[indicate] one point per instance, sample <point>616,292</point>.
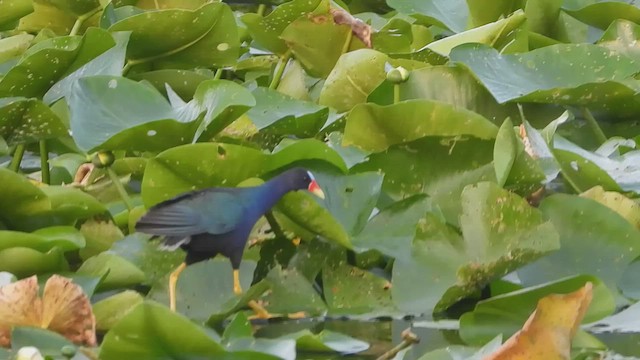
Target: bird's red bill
<point>315,189</point>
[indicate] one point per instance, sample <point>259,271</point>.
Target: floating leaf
<point>198,166</point>
<point>451,84</point>
<point>501,232</point>
<point>50,60</point>
<point>111,310</point>
<point>120,272</point>
<point>196,283</point>
<point>13,10</point>
<point>550,329</point>
<point>352,291</point>
<point>504,314</point>
<point>375,128</point>
<point>151,330</point>
<point>275,113</point>
<point>355,75</point>
<point>554,74</point>
<point>66,238</point>
<point>28,120</point>
<point>266,31</point>
<point>63,308</point>
<point>621,204</point>
<point>317,42</point>
<point>613,242</point>
<point>626,321</point>
<point>602,13</point>
<point>504,152</point>
<point>447,13</point>
<point>489,34</point>
<point>208,36</point>
<point>22,261</point>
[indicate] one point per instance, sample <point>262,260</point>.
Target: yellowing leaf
<point>617,202</point>
<point>63,308</point>
<point>548,332</point>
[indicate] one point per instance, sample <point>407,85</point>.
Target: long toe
<point>259,311</point>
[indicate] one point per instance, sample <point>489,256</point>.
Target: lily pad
<point>552,75</point>
<point>505,151</point>
<point>208,37</point>
<point>64,237</point>
<point>349,290</point>
<point>585,169</point>
<point>355,75</point>
<point>613,242</point>
<point>14,46</point>
<point>602,13</point>
<point>120,272</point>
<point>500,233</point>
<point>266,31</point>
<point>110,311</point>
<point>197,166</point>
<point>326,341</point>
<point>489,34</point>
<point>290,292</point>
<point>25,206</point>
<point>37,69</point>
<point>28,120</point>
<point>376,128</point>
<point>148,257</point>
<point>109,62</point>
<point>451,84</point>
<point>199,294</point>
<point>135,116</point>
<point>506,313</point>
<point>275,113</point>
<point>99,235</point>
<point>447,13</point>
<point>13,10</point>
<point>23,262</point>
<point>317,42</point>
<point>150,331</point>
<point>439,167</point>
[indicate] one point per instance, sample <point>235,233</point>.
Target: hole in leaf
<point>348,189</point>
<point>221,151</point>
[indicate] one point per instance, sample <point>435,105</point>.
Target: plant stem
<point>593,124</point>
<point>261,9</point>
<point>81,19</point>
<point>396,93</point>
<point>218,74</point>
<point>121,190</point>
<point>126,68</point>
<point>44,162</point>
<point>277,75</point>
<point>347,44</point>
<point>408,339</point>
<point>273,223</point>
<point>17,157</point>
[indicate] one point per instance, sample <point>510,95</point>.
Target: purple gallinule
<point>218,220</point>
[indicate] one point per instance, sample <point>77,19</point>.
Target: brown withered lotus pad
<point>63,308</point>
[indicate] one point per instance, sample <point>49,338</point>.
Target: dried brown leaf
<point>548,332</point>
<point>63,308</point>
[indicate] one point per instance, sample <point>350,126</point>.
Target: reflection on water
<point>381,335</point>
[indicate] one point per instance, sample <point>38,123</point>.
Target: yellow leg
<point>173,279</point>
<point>237,289</point>
<point>261,312</point>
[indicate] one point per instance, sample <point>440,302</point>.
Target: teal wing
<point>205,211</point>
